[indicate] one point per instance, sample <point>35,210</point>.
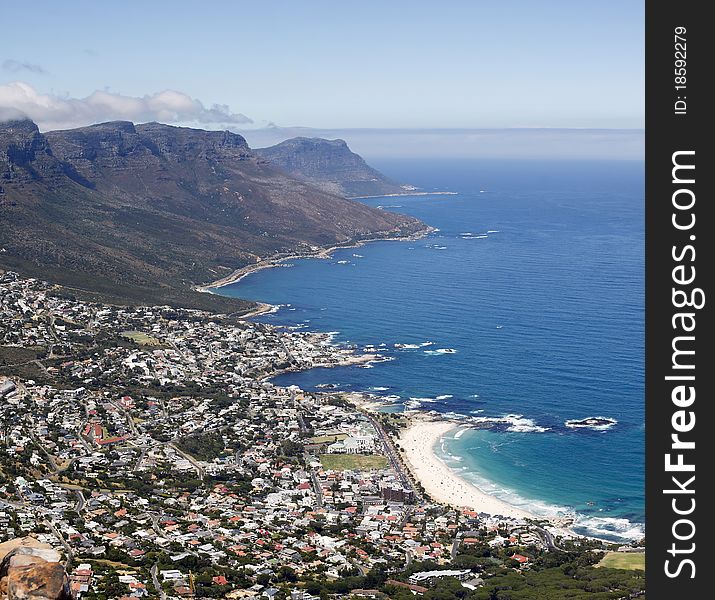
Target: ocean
<point>524,311</point>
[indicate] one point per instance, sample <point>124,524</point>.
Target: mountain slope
<point>146,212</point>
<point>329,165</point>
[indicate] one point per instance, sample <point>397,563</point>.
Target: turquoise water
<point>531,296</point>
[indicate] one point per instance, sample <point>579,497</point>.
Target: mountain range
<point>145,213</point>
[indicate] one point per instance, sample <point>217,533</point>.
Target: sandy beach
<point>261,309</point>
<point>441,482</point>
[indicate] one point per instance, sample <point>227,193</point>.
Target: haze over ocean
<point>535,279</point>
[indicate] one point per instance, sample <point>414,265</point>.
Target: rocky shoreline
<point>277,260</point>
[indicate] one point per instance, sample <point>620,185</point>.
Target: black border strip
<point>672,128</point>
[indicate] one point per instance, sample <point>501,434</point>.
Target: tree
<point>285,573</point>
<point>291,448</point>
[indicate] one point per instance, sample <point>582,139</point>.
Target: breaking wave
<point>512,423</point>
<point>608,527</point>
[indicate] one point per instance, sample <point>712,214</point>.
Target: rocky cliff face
<point>147,211</point>
<point>122,145</point>
<point>30,570</point>
<point>25,154</point>
<point>330,165</point>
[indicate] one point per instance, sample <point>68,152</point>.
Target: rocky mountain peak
<point>330,165</point>
<point>25,154</point>
<point>183,143</point>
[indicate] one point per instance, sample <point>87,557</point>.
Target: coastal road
<point>406,517</point>
<point>157,585</point>
<point>80,502</point>
<point>362,569</point>
<point>127,415</point>
<point>140,460</point>
<point>199,469</point>
<point>80,435</point>
<point>317,489</point>
<point>154,520</point>
<point>40,445</point>
<point>155,523</point>
<point>291,359</point>
<point>301,421</point>
<point>53,333</point>
<point>393,457</point>
<point>547,538</point>
<point>70,555</point>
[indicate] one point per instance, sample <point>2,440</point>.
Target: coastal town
<point>148,448</point>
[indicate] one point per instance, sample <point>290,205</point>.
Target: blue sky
<point>367,64</point>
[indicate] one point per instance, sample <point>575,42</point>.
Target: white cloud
<point>61,112</point>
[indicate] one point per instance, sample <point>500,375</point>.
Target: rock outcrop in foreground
<point>30,570</point>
